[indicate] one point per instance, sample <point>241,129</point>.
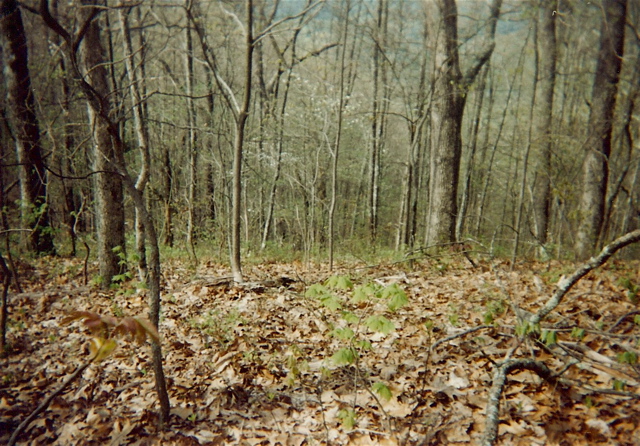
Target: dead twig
<point>43,406</point>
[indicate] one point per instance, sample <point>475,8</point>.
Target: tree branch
<point>499,379</point>
<point>565,284</point>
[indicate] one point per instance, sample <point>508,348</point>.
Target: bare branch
<point>565,284</point>
<point>269,28</point>
<point>499,379</point>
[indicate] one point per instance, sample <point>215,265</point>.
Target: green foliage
<point>618,385</point>
<point>344,334</point>
<point>627,358</point>
<point>428,324</point>
<point>382,390</point>
<point>295,364</point>
<point>347,417</point>
<point>632,290</point>
<point>364,311</point>
<point>220,327</point>
<point>526,328</point>
<point>494,308</point>
<point>588,401</point>
<point>577,333</point>
<point>453,316</point>
<point>364,293</point>
<point>549,337</point>
<point>345,356</point>
<point>636,319</point>
<point>380,324</point>
<point>397,298</point>
<point>317,290</point>
<point>339,283</point>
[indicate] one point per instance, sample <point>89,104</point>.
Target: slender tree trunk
<point>473,141</point>
<point>109,206</point>
<point>525,155</point>
<point>238,148</point>
<point>335,151</point>
<point>21,103</point>
<point>491,162</point>
<point>192,153</point>
<point>141,134</point>
<point>595,169</point>
<point>546,41</point>
<point>378,118</point>
<point>280,138</point>
<point>167,187</point>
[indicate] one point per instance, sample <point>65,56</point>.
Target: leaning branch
<point>565,284</point>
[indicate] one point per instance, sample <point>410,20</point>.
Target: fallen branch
<point>43,406</point>
<point>565,284</point>
<point>499,378</point>
<point>458,335</point>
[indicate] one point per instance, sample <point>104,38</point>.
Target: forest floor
<point>302,356</point>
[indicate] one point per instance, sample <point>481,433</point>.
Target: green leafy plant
<point>348,418</point>
<point>382,390</point>
<point>577,333</point>
<point>526,328</point>
<point>632,289</point>
<point>220,327</point>
<point>627,358</point>
<point>361,312</point>
<point>494,308</point>
<point>549,337</point>
<point>618,385</point>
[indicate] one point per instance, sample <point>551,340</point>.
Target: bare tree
<point>142,133</point>
<point>595,169</point>
<point>109,207</point>
<point>99,112</point>
<point>20,100</point>
<point>450,93</point>
<point>546,41</point>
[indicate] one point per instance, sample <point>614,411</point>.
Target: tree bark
<point>335,150</point>
<point>546,41</point>
<point>141,131</point>
<point>192,152</point>
<point>21,103</point>
<point>99,111</point>
<point>109,206</point>
<point>595,169</point>
<point>450,92</point>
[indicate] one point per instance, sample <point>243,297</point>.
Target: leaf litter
<point>256,364</point>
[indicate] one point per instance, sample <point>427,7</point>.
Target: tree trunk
<point>335,150</point>
<point>192,153</point>
<point>450,92</point>
<point>595,169</point>
<point>378,117</point>
<point>141,131</point>
<point>167,173</point>
<point>473,142</point>
<point>21,103</point>
<point>546,41</point>
<point>93,55</point>
<point>109,205</point>
<point>527,151</point>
